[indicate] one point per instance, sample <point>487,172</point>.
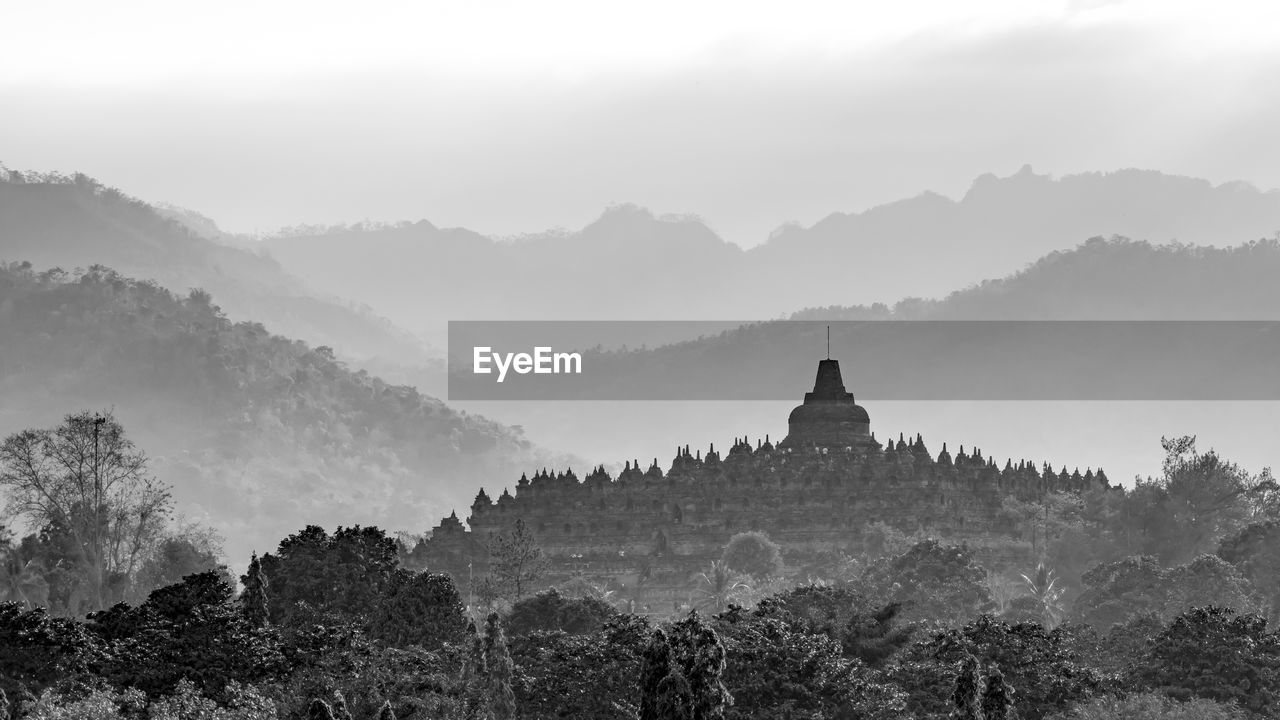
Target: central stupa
<point>829,417</point>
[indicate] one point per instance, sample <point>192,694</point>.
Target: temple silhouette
<point>814,493</point>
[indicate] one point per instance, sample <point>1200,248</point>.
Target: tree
<point>21,575</point>
<point>655,666</point>
<point>386,713</point>
<point>320,710</point>
<point>1120,591</point>
<point>1255,552</point>
<point>966,701</point>
<point>192,631</point>
<point>674,696</point>
<point>1045,666</point>
<point>474,677</point>
<point>419,609</point>
<point>864,630</point>
<point>932,582</point>
<point>340,711</point>
<point>343,574</point>
<point>754,554</point>
<point>779,666</point>
<point>997,697</point>
<point>516,560</point>
<point>189,549</point>
<point>549,611</point>
<point>719,587</point>
<point>1216,654</point>
<point>595,675</point>
<point>502,701</point>
<point>38,650</point>
<point>698,654</point>
<point>1042,587</point>
<point>88,479</point>
<point>1199,499</point>
<point>254,605</point>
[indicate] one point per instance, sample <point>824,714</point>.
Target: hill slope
<point>257,432</point>
<point>75,222</point>
<point>1107,279</point>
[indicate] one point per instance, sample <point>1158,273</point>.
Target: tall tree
<point>1199,499</point>
<point>654,667</point>
<point>253,599</point>
<point>502,701</point>
<point>997,697</point>
<point>696,650</point>
<point>86,477</point>
<point>516,560</point>
<point>474,675</point>
<point>966,702</point>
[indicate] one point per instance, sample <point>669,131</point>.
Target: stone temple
<point>814,493</point>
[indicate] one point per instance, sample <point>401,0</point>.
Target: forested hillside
<point>257,431</point>
<point>52,220</point>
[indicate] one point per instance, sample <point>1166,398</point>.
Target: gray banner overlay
<point>880,360</point>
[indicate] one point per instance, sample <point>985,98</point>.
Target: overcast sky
<point>522,116</point>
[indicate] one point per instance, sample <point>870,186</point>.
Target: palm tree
<point>1047,593</point>
<point>719,587</point>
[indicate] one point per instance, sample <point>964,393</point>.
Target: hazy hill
<point>627,264</point>
<point>261,433</point>
<point>929,245</point>
<point>630,264</point>
<point>75,222</point>
<point>1107,279</point>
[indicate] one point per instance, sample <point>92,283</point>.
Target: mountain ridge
<point>632,264</point>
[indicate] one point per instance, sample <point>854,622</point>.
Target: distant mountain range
<point>630,264</point>
<point>69,222</point>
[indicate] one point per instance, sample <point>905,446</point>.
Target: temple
<point>829,417</point>
<point>814,493</point>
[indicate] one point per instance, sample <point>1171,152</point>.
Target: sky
<point>518,117</point>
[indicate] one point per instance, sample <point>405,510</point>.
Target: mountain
<point>259,434</point>
<point>1107,279</point>
<point>76,222</point>
<point>630,264</point>
<point>626,264</point>
<point>928,245</point>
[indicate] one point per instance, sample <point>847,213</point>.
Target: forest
<point>1154,602</point>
